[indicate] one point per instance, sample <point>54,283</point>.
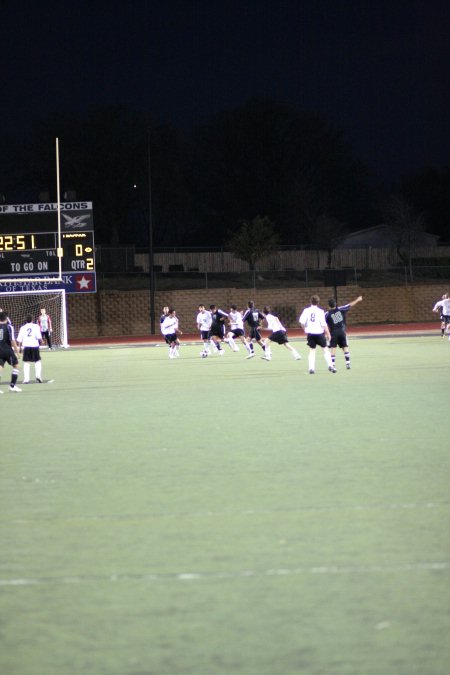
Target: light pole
<point>150,238</point>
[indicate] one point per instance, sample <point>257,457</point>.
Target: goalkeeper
<point>45,326</point>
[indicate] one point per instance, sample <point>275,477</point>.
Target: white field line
<point>356,570</point>
<point>408,506</point>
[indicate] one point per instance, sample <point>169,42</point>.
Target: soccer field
<point>223,515</point>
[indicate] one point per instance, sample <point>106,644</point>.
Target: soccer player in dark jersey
<point>335,318</point>
<point>254,318</point>
<point>217,330</point>
<point>9,351</point>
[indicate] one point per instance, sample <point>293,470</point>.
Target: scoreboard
<point>29,246</point>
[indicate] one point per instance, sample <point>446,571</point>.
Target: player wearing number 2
<point>29,339</point>
<point>335,318</point>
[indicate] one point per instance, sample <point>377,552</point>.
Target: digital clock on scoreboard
<point>38,253</point>
<point>26,241</point>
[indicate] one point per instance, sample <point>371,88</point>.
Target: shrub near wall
<point>119,313</point>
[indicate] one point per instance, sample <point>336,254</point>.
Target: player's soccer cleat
<point>311,372</point>
<point>250,356</point>
<point>297,357</point>
<point>222,352</point>
<point>1,391</point>
<point>332,369</point>
<point>266,358</point>
<point>236,349</point>
<point>14,389</point>
<point>38,380</point>
<point>347,365</point>
<point>26,382</point>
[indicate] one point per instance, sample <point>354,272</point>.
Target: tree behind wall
<point>407,226</point>
<point>254,240</point>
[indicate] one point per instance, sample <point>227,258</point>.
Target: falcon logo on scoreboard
<point>75,222</point>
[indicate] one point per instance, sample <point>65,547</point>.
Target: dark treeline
<point>263,158</point>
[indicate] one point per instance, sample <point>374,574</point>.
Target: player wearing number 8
<point>312,320</point>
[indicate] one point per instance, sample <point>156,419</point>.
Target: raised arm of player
<point>355,302</point>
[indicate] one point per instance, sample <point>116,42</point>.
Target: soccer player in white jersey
<point>313,322</point>
<point>278,335</point>
<point>45,326</point>
<point>444,307</point>
<point>29,339</point>
<point>204,321</point>
<point>171,331</point>
<point>236,329</point>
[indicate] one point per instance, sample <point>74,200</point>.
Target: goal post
<point>20,304</point>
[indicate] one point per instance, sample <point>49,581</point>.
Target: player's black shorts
<point>339,339</point>
<point>172,337</point>
<point>445,318</point>
<point>237,332</point>
<point>255,333</point>
<point>31,354</point>
<point>8,355</point>
<point>279,336</point>
<point>217,332</point>
<point>316,340</point>
<point>205,334</point>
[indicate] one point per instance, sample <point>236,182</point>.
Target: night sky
<point>378,70</point>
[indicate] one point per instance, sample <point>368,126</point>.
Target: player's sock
<point>333,359</point>
<point>327,355</point>
<point>232,343</point>
<point>312,360</point>
<point>347,360</point>
<point>26,372</point>
<point>38,370</point>
<point>14,376</point>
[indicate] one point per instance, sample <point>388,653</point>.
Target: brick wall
<point>115,313</point>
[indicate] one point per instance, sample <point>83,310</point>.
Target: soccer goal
<point>20,304</point>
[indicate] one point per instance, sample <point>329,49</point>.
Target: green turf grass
<point>223,515</point>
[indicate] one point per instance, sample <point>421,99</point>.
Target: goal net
<point>20,304</point>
